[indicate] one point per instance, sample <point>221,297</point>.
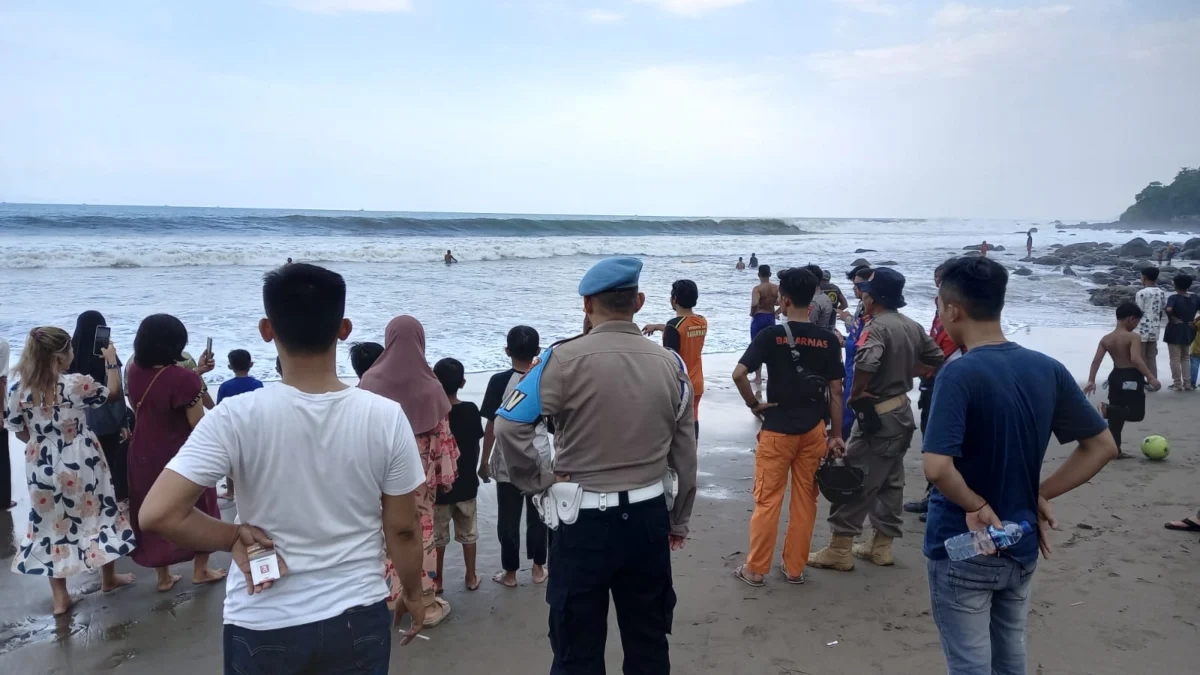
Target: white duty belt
<point>603,500</point>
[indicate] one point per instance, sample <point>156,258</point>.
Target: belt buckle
<point>603,501</point>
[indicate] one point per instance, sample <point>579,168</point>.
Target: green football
<point>1155,447</point>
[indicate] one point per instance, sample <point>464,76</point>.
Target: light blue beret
<point>611,274</point>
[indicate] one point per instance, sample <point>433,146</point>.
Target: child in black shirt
<point>458,504</point>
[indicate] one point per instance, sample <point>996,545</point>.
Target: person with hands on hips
<point>804,393</point>
<point>625,442</point>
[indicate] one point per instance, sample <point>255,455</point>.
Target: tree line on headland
<point>1159,203</point>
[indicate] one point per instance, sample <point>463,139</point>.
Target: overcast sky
<point>1002,108</point>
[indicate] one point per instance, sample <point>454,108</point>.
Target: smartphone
<point>208,347</point>
<point>103,337</point>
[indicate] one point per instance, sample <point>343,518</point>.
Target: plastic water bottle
<point>986,542</point>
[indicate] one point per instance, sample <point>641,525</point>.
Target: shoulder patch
<point>524,404</point>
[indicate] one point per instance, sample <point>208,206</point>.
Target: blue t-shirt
<point>993,410</point>
<point>238,385</point>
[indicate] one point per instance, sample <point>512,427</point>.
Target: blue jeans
<point>979,606</point>
<point>357,641</point>
<point>1195,369</point>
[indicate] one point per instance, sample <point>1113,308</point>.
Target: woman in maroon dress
<point>167,401</point>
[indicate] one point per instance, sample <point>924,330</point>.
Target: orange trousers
<point>777,455</point>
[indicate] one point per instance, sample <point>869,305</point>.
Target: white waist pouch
<point>559,504</point>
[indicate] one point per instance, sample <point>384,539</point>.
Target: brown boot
<point>879,551</point>
<point>835,556</point>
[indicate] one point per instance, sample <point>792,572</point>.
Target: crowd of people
<point>356,488</point>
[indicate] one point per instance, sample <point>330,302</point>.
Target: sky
<point>824,108</point>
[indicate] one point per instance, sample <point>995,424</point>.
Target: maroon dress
<point>160,429</point>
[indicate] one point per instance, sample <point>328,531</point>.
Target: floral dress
<point>75,524</point>
<point>439,457</point>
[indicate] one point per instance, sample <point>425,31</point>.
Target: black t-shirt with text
<point>801,404</point>
<point>467,429</point>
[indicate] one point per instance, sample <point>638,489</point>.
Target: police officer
<point>891,349</point>
<point>622,411</point>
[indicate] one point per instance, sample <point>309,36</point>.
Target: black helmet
<point>840,484</point>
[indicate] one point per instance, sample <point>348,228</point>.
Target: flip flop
<point>475,586</point>
<point>795,581</point>
<point>545,576</point>
<point>499,578</point>
<point>1189,525</point>
<point>740,573</point>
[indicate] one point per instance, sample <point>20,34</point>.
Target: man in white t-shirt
<point>1153,302</point>
<point>312,459</point>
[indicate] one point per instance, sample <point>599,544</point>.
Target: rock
<point>1085,260</point>
<point>1155,232</point>
<point>887,263</point>
<point>1124,231</point>
<point>865,250</point>
<point>1191,254</point>
<point>1104,244</point>
<point>1056,245</point>
<point>997,248</point>
<point>1140,265</point>
<point>1081,247</point>
<point>1158,243</point>
<point>860,262</point>
<point>1067,271</point>
<point>976,247</point>
<point>1111,296</point>
<point>1023,271</point>
<point>1136,247</point>
<point>1190,271</point>
<point>1101,277</point>
<point>1048,260</point>
<point>1194,242</point>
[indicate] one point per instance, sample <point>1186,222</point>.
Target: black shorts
<point>1127,392</point>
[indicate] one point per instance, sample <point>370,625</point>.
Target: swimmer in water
<point>753,260</point>
<point>450,259</point>
<point>740,265</point>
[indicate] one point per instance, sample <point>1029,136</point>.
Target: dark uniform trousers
<point>624,551</point>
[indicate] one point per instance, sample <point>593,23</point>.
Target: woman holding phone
<point>75,524</point>
<point>168,402</point>
<point>110,422</point>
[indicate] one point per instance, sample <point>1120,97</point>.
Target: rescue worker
<point>854,328</point>
<point>622,411</point>
<point>890,351</point>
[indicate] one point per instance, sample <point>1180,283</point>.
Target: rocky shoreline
<point>1117,268</point>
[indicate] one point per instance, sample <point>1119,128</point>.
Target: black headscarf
<point>82,341</point>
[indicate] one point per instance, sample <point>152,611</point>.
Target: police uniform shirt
<point>891,346</point>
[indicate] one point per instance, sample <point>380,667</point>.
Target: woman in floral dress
<point>402,374</point>
<point>75,524</point>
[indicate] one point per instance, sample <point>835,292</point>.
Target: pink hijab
<point>403,375</point>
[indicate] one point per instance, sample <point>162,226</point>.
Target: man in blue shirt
<point>240,364</point>
<point>992,415</point>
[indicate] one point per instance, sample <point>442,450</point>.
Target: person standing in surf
<point>1029,244</point>
<point>449,258</point>
<point>763,301</point>
<point>753,260</point>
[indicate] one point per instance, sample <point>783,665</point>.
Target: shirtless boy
<point>763,302</point>
<point>1127,382</point>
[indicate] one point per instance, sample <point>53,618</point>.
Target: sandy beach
<point>1118,595</point>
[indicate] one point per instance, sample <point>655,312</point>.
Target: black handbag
<point>838,483</point>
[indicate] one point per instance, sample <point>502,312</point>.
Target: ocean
<point>205,265</point>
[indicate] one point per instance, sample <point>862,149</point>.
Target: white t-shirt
<point>310,471</point>
<point>1153,302</point>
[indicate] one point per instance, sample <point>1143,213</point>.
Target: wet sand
<point>1118,595</point>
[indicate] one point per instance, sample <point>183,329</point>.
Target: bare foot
<point>164,586</point>
<point>209,576</point>
<point>539,574</point>
<point>62,604</point>
<point>473,583</point>
<point>117,581</point>
<point>506,579</point>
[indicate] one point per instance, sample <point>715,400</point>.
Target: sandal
<point>740,573</point>
<point>442,605</point>
<point>498,577</point>
<point>795,581</point>
<point>1186,525</point>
